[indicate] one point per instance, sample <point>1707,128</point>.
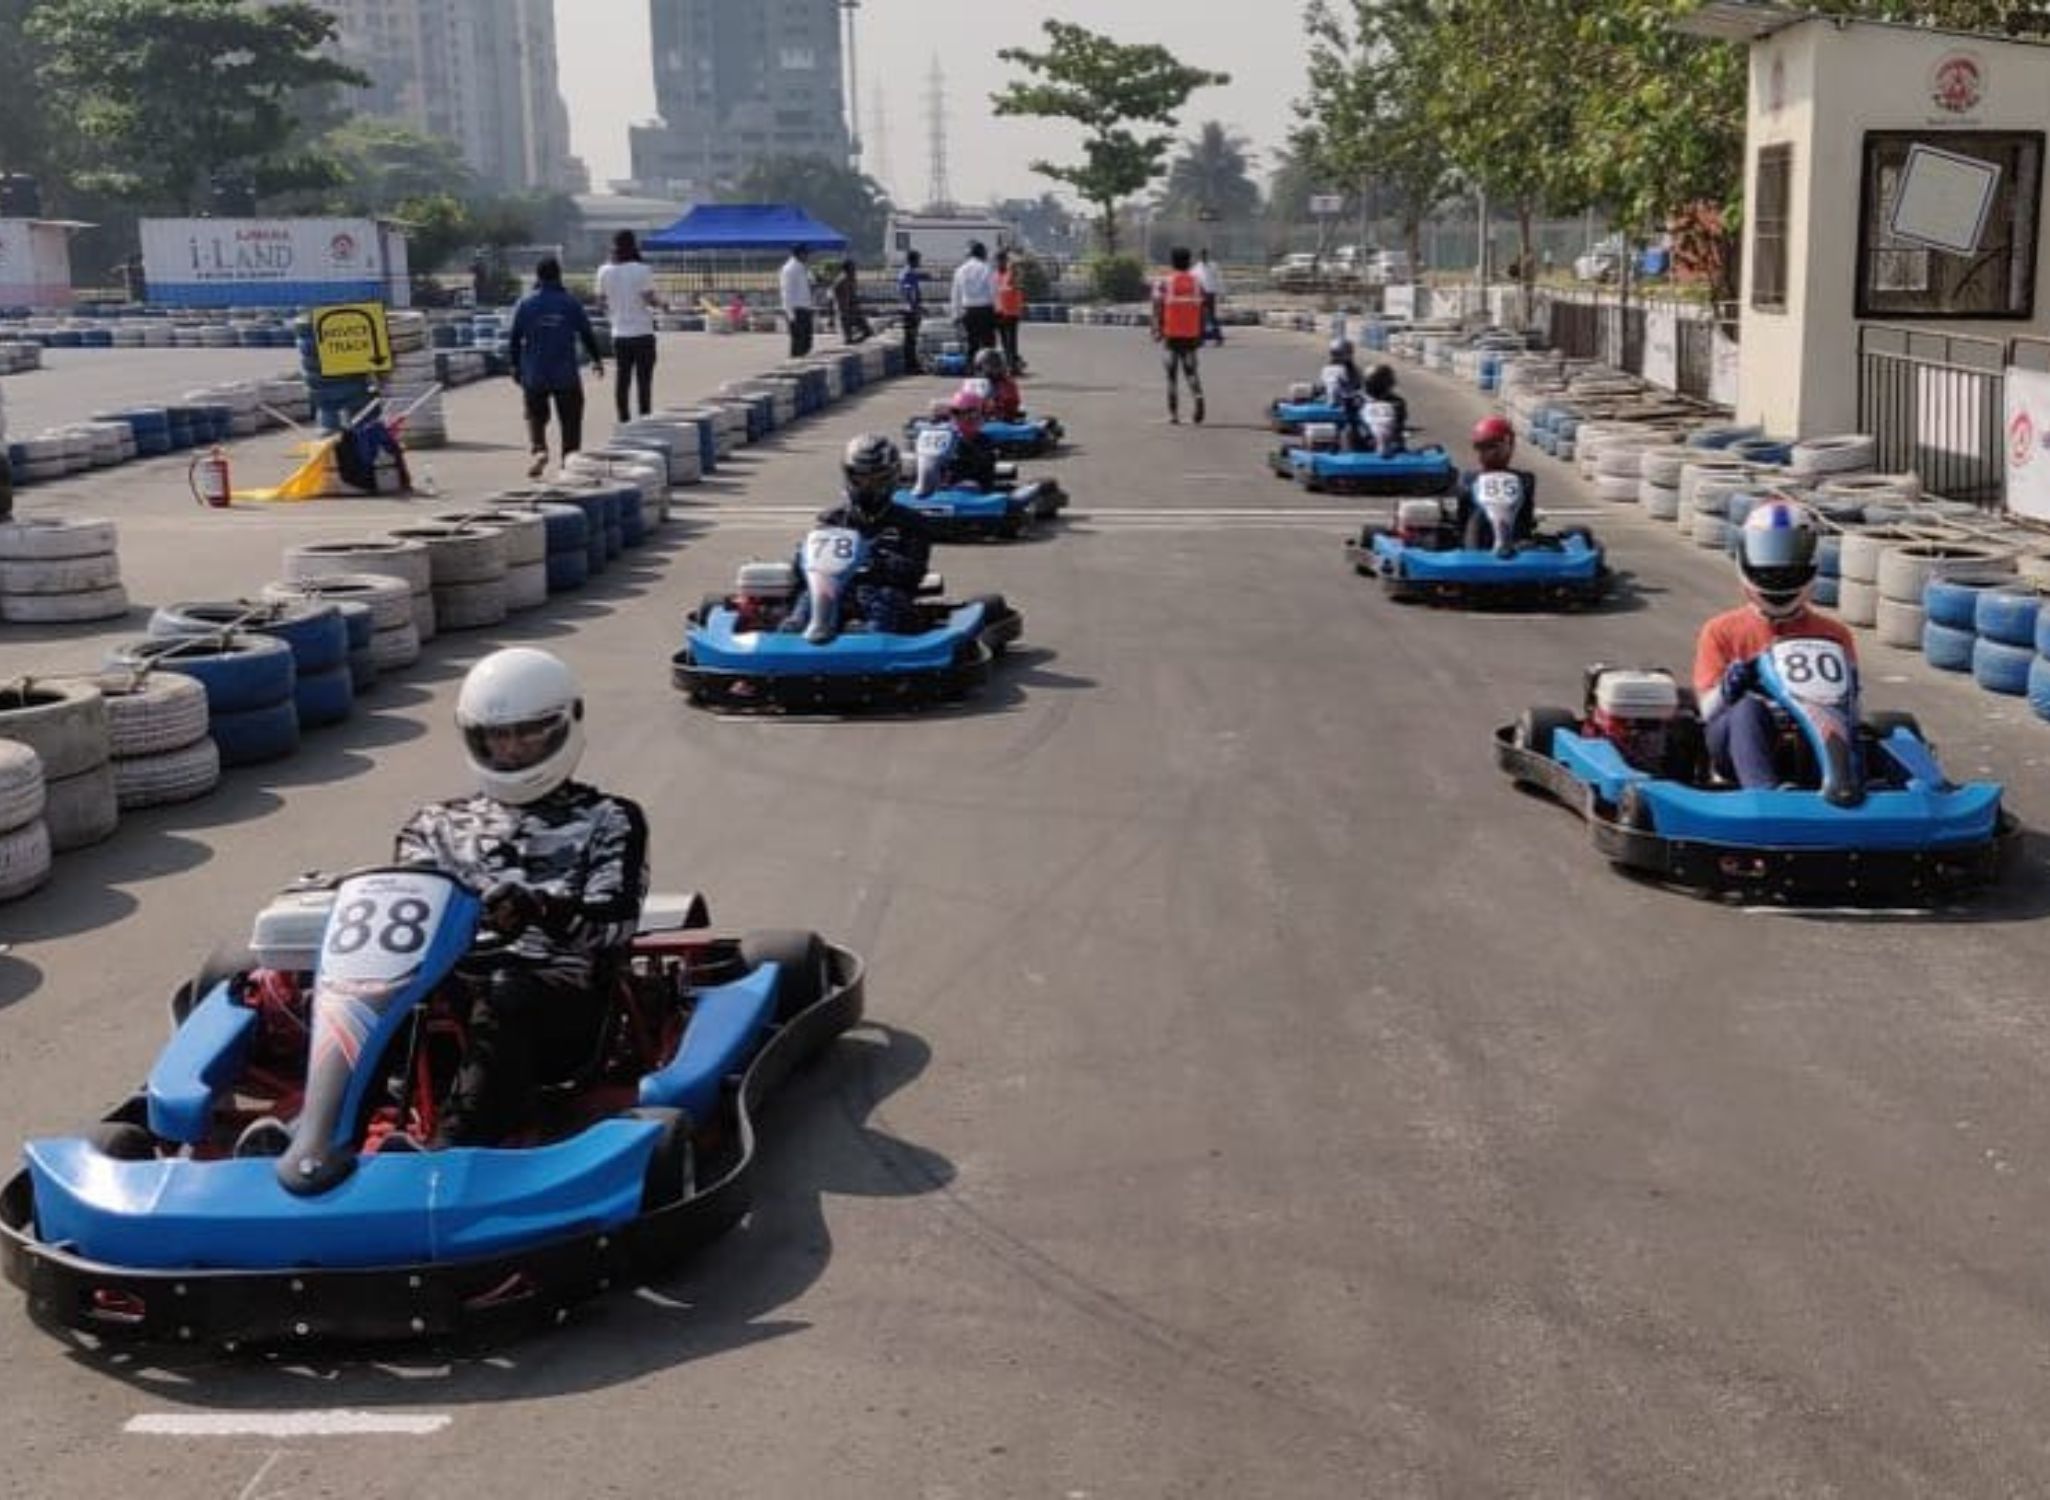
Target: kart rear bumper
<point>779,687</point>
<point>1574,587</point>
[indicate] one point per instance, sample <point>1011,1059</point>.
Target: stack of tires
<point>249,682</point>
<point>383,558</point>
<point>526,551</point>
<point>1619,469</point>
<point>1858,564</point>
<point>2006,620</point>
<point>159,733</point>
<point>467,567</point>
<point>566,530</point>
<point>1658,483</point>
<point>65,723</point>
<point>377,611</point>
<point>1905,572</point>
<point>60,570</point>
<point>1829,567</point>
<point>323,688</point>
<point>24,835</point>
<point>1950,608</point>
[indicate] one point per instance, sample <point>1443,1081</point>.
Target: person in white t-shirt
<point>974,299</point>
<point>1212,281</point>
<point>795,283</point>
<point>627,288</point>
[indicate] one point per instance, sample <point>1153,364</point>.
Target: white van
<point>943,239</point>
<point>1389,268</point>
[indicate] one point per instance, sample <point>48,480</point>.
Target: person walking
<point>1010,306</point>
<point>626,287</point>
<point>1212,281</point>
<point>973,302</point>
<point>797,297</point>
<point>911,289</point>
<point>547,326</point>
<point>854,324</point>
<point>1178,328</point>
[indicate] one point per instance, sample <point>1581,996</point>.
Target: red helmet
<point>1493,430</point>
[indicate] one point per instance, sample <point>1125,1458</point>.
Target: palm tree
<point>1212,178</point>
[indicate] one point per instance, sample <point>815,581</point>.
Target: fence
<point>1935,403</point>
<point>1583,325</point>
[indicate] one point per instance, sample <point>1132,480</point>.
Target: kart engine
<point>1418,523</point>
<point>1634,711</point>
<point>763,593</point>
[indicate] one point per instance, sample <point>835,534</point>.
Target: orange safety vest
<point>1010,296</point>
<point>1181,306</point>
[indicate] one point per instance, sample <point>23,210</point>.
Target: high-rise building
<point>738,80</point>
<point>481,73</point>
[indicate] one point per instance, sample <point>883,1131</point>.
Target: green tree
<point>161,95</point>
<point>1212,179</point>
<point>384,163</point>
<point>1106,87</point>
<point>438,229</point>
<point>24,115</point>
<point>831,192</point>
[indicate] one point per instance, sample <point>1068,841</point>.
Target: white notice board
<point>1944,199</point>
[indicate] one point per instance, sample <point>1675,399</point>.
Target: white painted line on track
<point>287,1424</point>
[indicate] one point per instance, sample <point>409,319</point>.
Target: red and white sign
<point>2028,443</point>
<point>1957,84</point>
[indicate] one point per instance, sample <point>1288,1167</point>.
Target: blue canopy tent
<point>713,227</point>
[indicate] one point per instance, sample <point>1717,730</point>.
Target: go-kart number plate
<point>1813,669</point>
<point>832,550</point>
<point>381,925</point>
<point>933,442</point>
<point>1497,491</point>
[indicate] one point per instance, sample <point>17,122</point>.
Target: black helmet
<point>1379,381</point>
<point>870,467</point>
<point>990,364</point>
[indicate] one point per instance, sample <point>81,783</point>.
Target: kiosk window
<point>1770,197</point>
<point>1947,224</point>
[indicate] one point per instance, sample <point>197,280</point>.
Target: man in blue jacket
<point>546,328</point>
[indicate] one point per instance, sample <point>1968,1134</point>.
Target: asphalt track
<point>1261,1098</point>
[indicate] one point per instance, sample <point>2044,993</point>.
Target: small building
<point>35,262</point>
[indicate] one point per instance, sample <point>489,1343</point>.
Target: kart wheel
<point>1536,728</point>
<point>801,956</point>
<point>672,1167</point>
<point>1632,811</point>
<point>122,1141</point>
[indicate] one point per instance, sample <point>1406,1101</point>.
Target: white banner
<point>2028,443</point>
<point>198,262</point>
<point>1662,349</point>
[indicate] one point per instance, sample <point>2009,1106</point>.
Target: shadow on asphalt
<point>18,979</point>
<point>818,1138</point>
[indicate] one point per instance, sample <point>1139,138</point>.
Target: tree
<point>384,163</point>
<point>438,227</point>
<point>160,96</point>
<point>831,192</point>
<point>1212,179</point>
<point>24,116</point>
<point>1106,87</point>
<point>1043,222</point>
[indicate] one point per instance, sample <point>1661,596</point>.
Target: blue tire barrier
<point>251,736</point>
<point>2001,668</point>
<point>239,673</point>
<point>314,630</point>
<point>568,570</point>
<point>2009,615</point>
<point>1719,437</point>
<point>633,521</point>
<point>1948,647</point>
<point>615,542</point>
<point>359,622</point>
<point>567,528</point>
<point>2039,687</point>
<point>1829,553</point>
<point>1826,592</point>
<point>2042,641</point>
<point>325,698</point>
<point>1955,601</point>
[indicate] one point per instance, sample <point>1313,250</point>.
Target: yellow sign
<point>351,338</point>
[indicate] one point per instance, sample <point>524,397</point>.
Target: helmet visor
<point>1781,583</point>
<point>519,746</point>
<point>1770,549</point>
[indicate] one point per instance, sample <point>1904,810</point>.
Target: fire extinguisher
<point>209,477</point>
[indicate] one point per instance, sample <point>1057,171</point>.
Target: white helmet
<point>522,720</point>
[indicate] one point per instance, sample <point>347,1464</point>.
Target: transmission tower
<point>852,10</point>
<point>938,191</point>
<point>879,137</point>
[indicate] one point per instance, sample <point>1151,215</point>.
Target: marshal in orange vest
<point>1181,307</point>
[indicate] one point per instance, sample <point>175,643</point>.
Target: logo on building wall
<point>2021,440</point>
<point>342,249</point>
<point>1957,84</point>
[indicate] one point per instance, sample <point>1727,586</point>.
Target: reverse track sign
<point>351,338</point>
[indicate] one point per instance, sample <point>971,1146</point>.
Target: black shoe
<point>1199,411</point>
<point>1174,415</point>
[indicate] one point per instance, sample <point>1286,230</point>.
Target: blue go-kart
<point>1028,437</point>
<point>1384,466</point>
<point>1302,408</point>
<point>967,512</point>
<point>744,652</point>
<point>1422,559</point>
<point>267,1186</point>
<point>1869,816</point>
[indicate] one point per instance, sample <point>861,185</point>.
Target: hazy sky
<point>608,84</point>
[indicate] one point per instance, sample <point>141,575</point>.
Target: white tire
<point>2034,566</point>
<point>1663,466</point>
<point>149,713</point>
<point>1853,453</point>
<point>1620,459</point>
<point>1905,571</point>
<point>426,624</point>
<point>389,600</point>
<point>472,606</point>
<point>1618,489</point>
<point>64,720</point>
<point>61,575</point>
<point>396,649</point>
<point>1710,530</point>
<point>109,603</point>
<point>526,586</point>
<point>21,786</point>
<point>1900,625</point>
<point>82,810</point>
<point>1857,603</point>
<point>459,554</point>
<point>24,859</point>
<point>46,538</point>
<point>390,559</point>
<point>1859,559</point>
<point>526,535</point>
<point>1660,502</point>
<point>172,776</point>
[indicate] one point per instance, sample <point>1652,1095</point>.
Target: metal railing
<point>1934,403</point>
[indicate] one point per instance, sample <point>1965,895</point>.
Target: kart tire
<point>109,603</point>
<point>21,786</point>
<point>526,533</point>
<point>2001,668</point>
<point>1537,727</point>
<point>672,1165</point>
<point>1857,603</point>
<point>396,649</point>
<point>169,777</point>
<point>315,630</point>
<point>470,606</point>
<point>388,599</point>
<point>60,575</point>
<point>325,698</point>
<point>24,859</point>
<point>1947,648</point>
<point>239,673</point>
<point>2039,687</point>
<point>150,714</point>
<point>121,1140</point>
<point>82,810</point>
<point>1906,570</point>
<point>253,736</point>
<point>458,554</point>
<point>995,612</point>
<point>801,959</point>
<point>2008,614</point>
<point>526,586</point>
<point>1632,810</point>
<point>64,720</point>
<point>1900,625</point>
<point>49,538</point>
<point>406,561</point>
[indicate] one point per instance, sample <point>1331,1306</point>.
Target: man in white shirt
<point>974,300</point>
<point>1212,281</point>
<point>626,286</point>
<point>797,294</point>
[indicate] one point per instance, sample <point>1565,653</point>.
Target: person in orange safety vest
<point>1178,328</point>
<point>1010,309</point>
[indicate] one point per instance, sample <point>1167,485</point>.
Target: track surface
<point>1262,1098</point>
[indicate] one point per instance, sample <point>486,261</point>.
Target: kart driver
<point>562,868</point>
<point>1776,559</point>
<point>967,458</point>
<point>1379,385</point>
<point>1340,379</point>
<point>1494,444</point>
<point>1005,403</point>
<point>884,590</point>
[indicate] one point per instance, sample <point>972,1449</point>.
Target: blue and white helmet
<point>1776,554</point>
